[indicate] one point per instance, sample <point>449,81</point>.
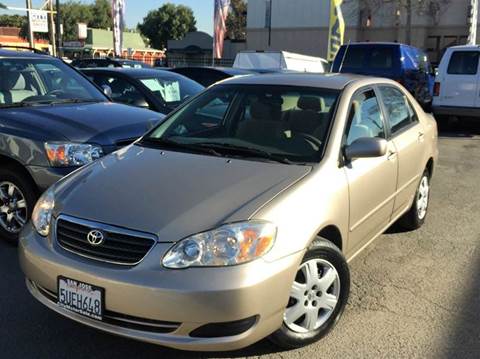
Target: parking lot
<point>413,294</point>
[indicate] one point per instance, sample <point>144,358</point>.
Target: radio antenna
<point>343,57</point>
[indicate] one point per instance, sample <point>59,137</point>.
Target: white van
<point>279,61</point>
<point>457,85</point>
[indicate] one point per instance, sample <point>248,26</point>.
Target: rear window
<point>463,63</point>
<point>354,57</point>
<point>357,57</point>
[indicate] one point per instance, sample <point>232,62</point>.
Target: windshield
<point>173,90</point>
<point>278,123</point>
<point>25,82</point>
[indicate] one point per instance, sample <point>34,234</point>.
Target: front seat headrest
<point>312,103</point>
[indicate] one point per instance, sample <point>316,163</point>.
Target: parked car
<point>457,83</point>
<point>405,64</point>
<point>279,61</point>
<point>235,218</point>
<point>108,62</point>
<point>207,76</point>
<point>52,121</point>
<point>157,90</point>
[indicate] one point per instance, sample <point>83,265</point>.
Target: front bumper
<point>183,300</point>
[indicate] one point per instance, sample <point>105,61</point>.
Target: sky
<point>136,10</point>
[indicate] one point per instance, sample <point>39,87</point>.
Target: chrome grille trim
<point>109,230</point>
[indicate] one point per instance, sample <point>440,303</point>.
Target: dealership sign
<point>38,20</point>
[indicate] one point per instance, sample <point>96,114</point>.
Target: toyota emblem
<point>95,237</point>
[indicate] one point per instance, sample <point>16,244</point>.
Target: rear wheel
<point>318,297</point>
<point>17,198</point>
<point>415,217</point>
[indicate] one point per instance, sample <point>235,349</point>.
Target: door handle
<point>391,155</point>
<point>421,136</point>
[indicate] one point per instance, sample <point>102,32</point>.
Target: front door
<point>459,82</point>
<point>372,181</point>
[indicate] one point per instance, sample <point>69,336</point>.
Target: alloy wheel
<point>13,208</point>
<point>314,296</point>
<point>422,198</point>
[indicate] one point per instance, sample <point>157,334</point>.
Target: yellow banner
<point>336,29</point>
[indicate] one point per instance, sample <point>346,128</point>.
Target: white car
<point>456,91</point>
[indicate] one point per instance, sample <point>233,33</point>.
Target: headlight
<point>228,245</point>
<point>42,213</point>
<point>72,154</point>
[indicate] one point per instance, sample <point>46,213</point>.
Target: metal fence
<point>172,61</point>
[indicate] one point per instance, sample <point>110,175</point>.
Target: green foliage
<point>13,21</point>
<point>169,22</point>
<point>101,15</point>
<point>2,6</point>
<point>237,20</point>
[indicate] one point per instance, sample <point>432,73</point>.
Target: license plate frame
<point>92,300</point>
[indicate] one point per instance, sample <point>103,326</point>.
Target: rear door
<point>408,135</point>
<point>459,82</point>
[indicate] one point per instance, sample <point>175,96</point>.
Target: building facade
<point>302,25</point>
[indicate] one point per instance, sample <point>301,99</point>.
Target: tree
<point>13,21</point>
<point>169,22</point>
<point>101,15</point>
<point>74,12</point>
<point>237,20</point>
<point>2,6</point>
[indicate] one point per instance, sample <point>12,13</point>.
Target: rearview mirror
<point>142,103</point>
<point>366,147</point>
<point>107,90</point>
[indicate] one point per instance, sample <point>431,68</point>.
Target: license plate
<point>81,298</point>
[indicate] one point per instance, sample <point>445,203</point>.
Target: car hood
<point>103,123</point>
<point>171,194</point>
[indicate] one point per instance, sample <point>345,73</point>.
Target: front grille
<point>119,319</point>
<point>120,246</point>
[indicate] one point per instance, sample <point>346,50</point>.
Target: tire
<point>23,187</point>
<point>415,217</point>
<point>331,264</point>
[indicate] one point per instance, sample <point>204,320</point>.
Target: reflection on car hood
<point>171,194</point>
<point>102,123</point>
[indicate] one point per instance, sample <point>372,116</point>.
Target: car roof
<point>331,80</point>
<point>379,43</point>
<point>134,72</point>
<point>10,53</point>
<point>227,70</point>
<point>465,47</point>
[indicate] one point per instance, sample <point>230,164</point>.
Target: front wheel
<point>318,297</point>
<point>17,198</point>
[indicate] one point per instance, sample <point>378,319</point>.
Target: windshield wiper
<point>17,105</point>
<point>248,151</point>
<point>169,144</point>
<point>63,101</point>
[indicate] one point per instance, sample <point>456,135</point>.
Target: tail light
<point>436,89</point>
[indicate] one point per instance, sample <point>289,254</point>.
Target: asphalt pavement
<point>413,295</point>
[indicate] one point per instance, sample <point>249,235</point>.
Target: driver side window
<point>365,118</point>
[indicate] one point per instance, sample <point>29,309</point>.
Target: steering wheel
<point>54,93</point>
<point>312,141</point>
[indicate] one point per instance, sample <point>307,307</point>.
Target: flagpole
<point>213,44</point>
<point>472,36</point>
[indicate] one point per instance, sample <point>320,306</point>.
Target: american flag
<point>220,28</point>
<point>118,15</point>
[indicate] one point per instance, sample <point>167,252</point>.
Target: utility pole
<point>31,39</point>
<point>270,23</point>
<point>408,37</point>
<point>472,35</point>
<point>58,28</point>
<point>51,27</point>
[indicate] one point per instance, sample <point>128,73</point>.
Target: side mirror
<point>142,103</point>
<point>107,90</point>
<point>366,147</point>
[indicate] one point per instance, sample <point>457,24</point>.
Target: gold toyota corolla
<point>235,218</point>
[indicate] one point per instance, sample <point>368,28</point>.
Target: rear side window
<point>399,111</point>
<point>463,63</point>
